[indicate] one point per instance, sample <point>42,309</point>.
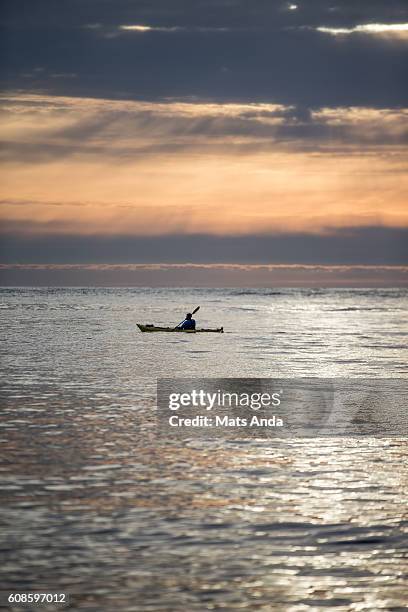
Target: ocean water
<point>94,503</point>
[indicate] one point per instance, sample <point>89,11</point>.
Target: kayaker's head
<point>189,315</point>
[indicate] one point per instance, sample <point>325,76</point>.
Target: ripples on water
<point>95,505</point>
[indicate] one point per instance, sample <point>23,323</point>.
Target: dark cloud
<point>206,276</point>
<point>200,13</point>
<point>123,130</point>
<point>206,50</point>
<point>241,50</point>
<point>366,245</point>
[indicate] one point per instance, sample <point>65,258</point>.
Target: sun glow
<point>104,166</point>
<point>136,28</point>
<point>400,29</point>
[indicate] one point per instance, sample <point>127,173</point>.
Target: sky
<point>212,142</point>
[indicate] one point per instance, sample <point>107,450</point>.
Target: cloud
<point>200,12</point>
<point>394,30</point>
<point>143,28</point>
<point>342,246</point>
<point>152,267</point>
<point>204,275</point>
<point>99,166</point>
<point>146,28</point>
<point>132,127</point>
<point>225,51</point>
<point>113,31</point>
<point>63,75</point>
<point>273,127</point>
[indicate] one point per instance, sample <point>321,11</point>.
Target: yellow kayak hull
<point>154,328</point>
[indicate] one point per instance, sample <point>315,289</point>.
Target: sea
<point>96,505</point>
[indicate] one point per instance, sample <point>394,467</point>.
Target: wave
<point>358,308</point>
<point>259,292</point>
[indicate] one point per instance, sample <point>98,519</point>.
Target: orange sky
<point>76,165</point>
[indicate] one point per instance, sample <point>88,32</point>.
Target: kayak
<point>153,328</point>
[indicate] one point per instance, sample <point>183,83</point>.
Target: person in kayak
<point>188,323</point>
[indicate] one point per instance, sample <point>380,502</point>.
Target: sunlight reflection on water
<point>93,504</point>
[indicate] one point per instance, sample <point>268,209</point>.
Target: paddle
<point>194,311</point>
